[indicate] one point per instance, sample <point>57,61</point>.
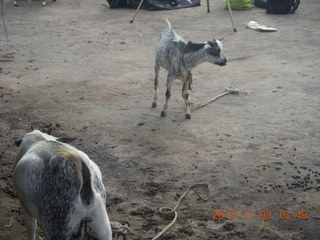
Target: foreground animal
<point>179,58</point>
<point>59,186</point>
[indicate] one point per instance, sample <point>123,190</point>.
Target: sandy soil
<point>82,70</point>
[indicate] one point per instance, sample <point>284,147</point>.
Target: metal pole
<point>137,10</point>
<point>230,11</point>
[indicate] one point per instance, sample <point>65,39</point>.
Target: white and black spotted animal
<point>59,186</point>
<point>179,58</point>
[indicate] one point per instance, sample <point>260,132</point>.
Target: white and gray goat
<point>59,186</point>
<point>179,58</point>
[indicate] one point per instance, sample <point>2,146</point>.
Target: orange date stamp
<point>260,215</point>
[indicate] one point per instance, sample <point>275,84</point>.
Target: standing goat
<point>179,58</point>
<point>59,186</point>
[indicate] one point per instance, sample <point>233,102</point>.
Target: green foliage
<point>239,4</point>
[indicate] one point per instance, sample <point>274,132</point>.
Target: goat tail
<point>168,22</point>
<point>83,173</point>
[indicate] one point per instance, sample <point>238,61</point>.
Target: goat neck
<point>194,54</point>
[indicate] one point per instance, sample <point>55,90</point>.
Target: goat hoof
<point>163,114</point>
<point>188,116</point>
<point>154,105</point>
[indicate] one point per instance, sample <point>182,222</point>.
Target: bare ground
<point>84,71</point>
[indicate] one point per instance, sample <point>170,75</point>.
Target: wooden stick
<point>230,11</point>
<point>137,10</point>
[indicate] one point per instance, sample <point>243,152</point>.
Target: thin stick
<point>208,6</point>
<point>230,11</point>
<point>137,10</point>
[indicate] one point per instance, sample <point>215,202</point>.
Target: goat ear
<point>211,43</point>
<point>18,142</point>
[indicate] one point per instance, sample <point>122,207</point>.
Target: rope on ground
<point>119,230</point>
<point>167,210</point>
<point>227,91</point>
<point>239,58</point>
<point>8,225</point>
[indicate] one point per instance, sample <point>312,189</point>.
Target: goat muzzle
<point>222,62</point>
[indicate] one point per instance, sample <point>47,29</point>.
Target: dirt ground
<point>82,70</point>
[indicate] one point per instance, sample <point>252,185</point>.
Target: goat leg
<point>168,94</point>
<point>156,83</point>
<point>186,97</point>
<point>31,223</point>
